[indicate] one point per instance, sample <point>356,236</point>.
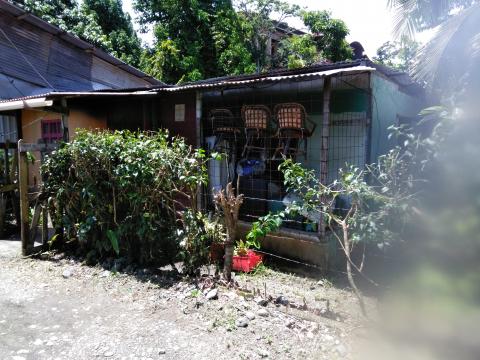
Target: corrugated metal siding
<point>59,59</point>
<point>34,46</point>
<point>62,60</point>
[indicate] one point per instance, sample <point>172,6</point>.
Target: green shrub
<point>124,192</point>
<point>199,232</point>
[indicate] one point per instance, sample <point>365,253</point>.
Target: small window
<point>179,112</point>
<point>52,130</point>
<point>8,128</point>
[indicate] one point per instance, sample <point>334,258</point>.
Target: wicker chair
<point>224,127</point>
<point>256,119</point>
<point>294,128</point>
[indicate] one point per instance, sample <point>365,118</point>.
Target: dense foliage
<point>200,39</point>
<point>193,39</point>
<point>124,192</point>
<point>399,55</point>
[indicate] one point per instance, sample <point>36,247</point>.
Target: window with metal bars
<point>52,130</point>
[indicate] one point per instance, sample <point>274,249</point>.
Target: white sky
<point>369,21</point>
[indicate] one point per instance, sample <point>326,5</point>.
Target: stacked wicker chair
<point>293,128</point>
<point>225,128</point>
<point>257,122</point>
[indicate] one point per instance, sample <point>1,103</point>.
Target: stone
<point>262,313</point>
<point>105,273</point>
<point>341,350</point>
<point>281,300</point>
<point>108,353</point>
<point>250,315</point>
<point>162,351</point>
<point>328,338</point>
<point>290,324</point>
<point>242,322</point>
<point>67,273</point>
<point>263,353</point>
<point>260,301</point>
<point>212,294</point>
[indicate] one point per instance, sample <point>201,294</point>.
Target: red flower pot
<point>248,262</point>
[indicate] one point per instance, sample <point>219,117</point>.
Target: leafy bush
<point>199,232</point>
<point>124,192</point>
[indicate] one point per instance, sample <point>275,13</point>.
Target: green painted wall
<point>388,103</point>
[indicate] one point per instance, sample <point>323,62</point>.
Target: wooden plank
<point>3,207</point>
<point>36,217</point>
<point>14,180</point>
<point>45,226</point>
<point>8,145</point>
<point>26,147</point>
<point>8,187</point>
<point>6,164</point>
<point>24,207</point>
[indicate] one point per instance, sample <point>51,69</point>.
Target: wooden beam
<point>45,226</point>
<point>26,147</point>
<point>8,187</point>
<point>327,83</point>
<point>24,207</point>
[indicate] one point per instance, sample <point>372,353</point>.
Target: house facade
<point>37,58</point>
<point>339,114</point>
<point>324,116</point>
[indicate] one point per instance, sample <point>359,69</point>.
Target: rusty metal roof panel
<point>275,78</point>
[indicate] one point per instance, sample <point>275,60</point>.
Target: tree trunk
<point>230,205</point>
<point>351,281</point>
<point>227,265</point>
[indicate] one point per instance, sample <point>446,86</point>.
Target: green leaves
<point>112,236</point>
<point>120,191</point>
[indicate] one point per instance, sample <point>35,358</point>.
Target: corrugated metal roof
<point>202,84</point>
<point>225,83</point>
<point>73,40</point>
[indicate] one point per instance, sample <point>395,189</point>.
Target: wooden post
<point>23,192</point>
<point>14,180</point>
<point>6,162</point>
<point>327,82</point>
<point>45,226</point>
<point>34,225</point>
<point>3,208</point>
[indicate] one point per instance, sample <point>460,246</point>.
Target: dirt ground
<point>58,308</point>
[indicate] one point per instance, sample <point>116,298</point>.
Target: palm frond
<point>451,48</point>
<point>410,16</point>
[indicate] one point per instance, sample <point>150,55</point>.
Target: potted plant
<point>216,231</point>
<point>245,259</point>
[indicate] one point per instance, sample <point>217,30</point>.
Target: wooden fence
<point>28,227</point>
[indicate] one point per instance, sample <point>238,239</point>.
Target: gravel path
<point>60,309</point>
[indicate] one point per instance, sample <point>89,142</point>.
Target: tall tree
<point>325,42</point>
<point>329,35</point>
<point>194,39</point>
<point>259,20</point>
<point>399,55</point>
<point>117,25</point>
